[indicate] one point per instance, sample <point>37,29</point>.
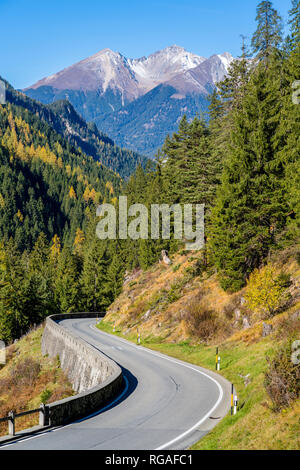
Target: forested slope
<point>63,118</point>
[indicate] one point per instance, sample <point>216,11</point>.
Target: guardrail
<point>12,416</point>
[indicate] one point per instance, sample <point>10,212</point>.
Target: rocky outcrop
<point>267,329</point>
<point>165,258</point>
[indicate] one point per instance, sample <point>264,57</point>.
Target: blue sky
<point>41,37</point>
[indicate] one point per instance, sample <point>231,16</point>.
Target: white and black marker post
<point>235,403</point>
<point>138,337</point>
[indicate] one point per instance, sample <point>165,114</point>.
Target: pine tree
<point>268,35</point>
<point>67,285</point>
<point>250,207</point>
<point>288,136</point>
<point>294,22</point>
<point>95,291</point>
<point>115,276</point>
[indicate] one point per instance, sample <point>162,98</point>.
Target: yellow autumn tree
<point>109,187</point>
<point>265,292</point>
<point>79,241</point>
<point>20,215</point>
<point>68,170</point>
<point>72,193</point>
<point>86,194</point>
<point>93,195</point>
<point>55,248</point>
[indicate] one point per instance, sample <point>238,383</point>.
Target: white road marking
<point>162,356</point>
<point>195,426</point>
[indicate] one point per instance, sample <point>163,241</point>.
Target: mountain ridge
<point>107,86</point>
<point>65,120</point>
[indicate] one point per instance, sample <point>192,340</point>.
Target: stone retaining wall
<point>95,377</point>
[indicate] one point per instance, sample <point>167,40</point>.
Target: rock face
<point>237,314</point>
<point>267,329</point>
<point>246,323</point>
<point>147,315</point>
<point>296,315</point>
<point>165,258</point>
<point>246,379</point>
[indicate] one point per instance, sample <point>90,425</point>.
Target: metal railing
<point>12,416</point>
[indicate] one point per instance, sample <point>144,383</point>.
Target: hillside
<point>63,118</point>
<point>46,183</point>
<point>186,314</point>
<point>145,123</point>
<point>28,379</point>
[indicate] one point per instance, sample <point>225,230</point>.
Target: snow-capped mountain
<point>106,69</point>
<point>162,66</point>
<point>200,79</point>
<point>127,97</point>
<point>132,77</point>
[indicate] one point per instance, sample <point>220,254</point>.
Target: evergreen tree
<point>95,289</point>
<point>288,136</point>
<point>268,35</point>
<point>115,276</point>
<point>67,282</point>
<point>250,207</point>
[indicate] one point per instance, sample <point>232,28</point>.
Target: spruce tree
<point>67,285</point>
<point>268,35</point>
<point>95,288</point>
<point>250,208</point>
<point>288,135</point>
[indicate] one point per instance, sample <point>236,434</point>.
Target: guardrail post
<point>11,423</point>
<point>44,415</point>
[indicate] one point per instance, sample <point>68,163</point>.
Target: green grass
<point>255,426</point>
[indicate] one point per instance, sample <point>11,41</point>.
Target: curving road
<point>165,404</point>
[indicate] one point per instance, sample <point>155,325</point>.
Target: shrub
<point>201,322</point>
<point>132,283</point>
<point>288,326</point>
<point>61,392</point>
<point>45,395</point>
<point>284,280</point>
<point>265,291</point>
<point>175,291</point>
<point>25,373</point>
<point>196,269</point>
<point>282,379</point>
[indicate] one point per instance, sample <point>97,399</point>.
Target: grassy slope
<point>28,378</point>
<point>243,352</point>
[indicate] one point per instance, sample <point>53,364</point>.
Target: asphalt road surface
<point>165,404</point>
